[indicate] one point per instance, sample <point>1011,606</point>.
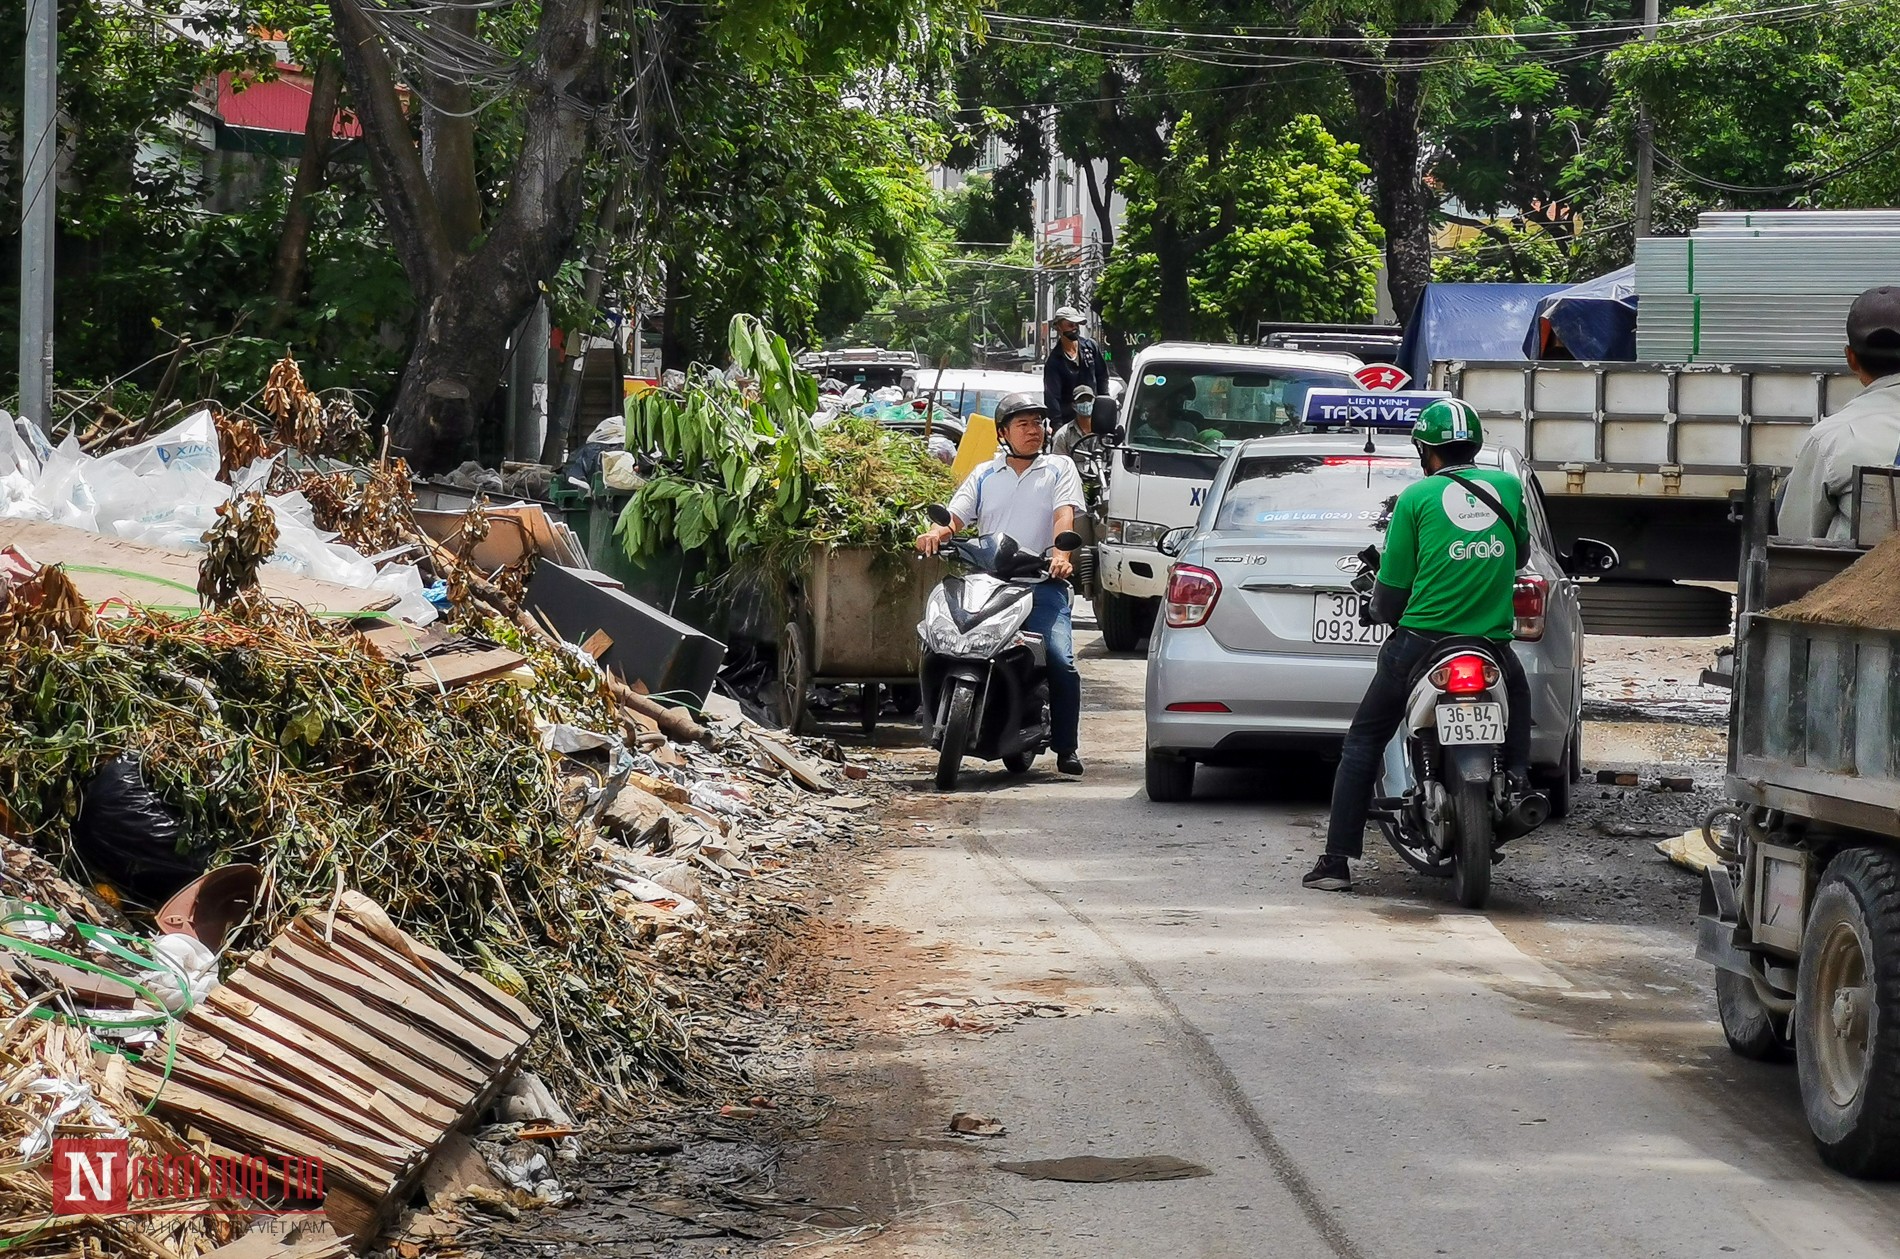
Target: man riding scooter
<point>1032,497</point>
<point>1453,548</point>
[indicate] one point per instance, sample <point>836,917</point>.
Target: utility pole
<point>39,136</point>
<point>1645,141</point>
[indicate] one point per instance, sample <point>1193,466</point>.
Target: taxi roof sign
<point>1390,409</point>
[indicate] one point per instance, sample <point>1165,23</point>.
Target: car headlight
<point>1135,533</point>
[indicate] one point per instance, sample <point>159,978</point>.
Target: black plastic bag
<point>128,836</point>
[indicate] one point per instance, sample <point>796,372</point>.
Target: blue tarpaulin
<point>1479,322</point>
<point>1595,320</point>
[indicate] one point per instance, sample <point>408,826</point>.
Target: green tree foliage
<point>1278,232</point>
<point>977,298</point>
<point>1503,253</point>
<point>797,199</point>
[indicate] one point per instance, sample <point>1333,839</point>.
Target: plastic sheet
<point>1594,321</point>
<point>1476,322</point>
<point>164,492</point>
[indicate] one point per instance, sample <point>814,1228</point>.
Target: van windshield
<point>1336,493</point>
<point>1187,406</point>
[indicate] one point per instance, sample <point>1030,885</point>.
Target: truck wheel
<point>1170,778</point>
<point>1120,619</point>
<point>956,734</point>
<point>1752,1032</point>
<point>1847,1014</point>
<point>1471,856</point>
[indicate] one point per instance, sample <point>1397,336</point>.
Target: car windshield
<point>1182,406</point>
<point>1316,492</point>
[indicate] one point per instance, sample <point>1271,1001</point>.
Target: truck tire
<point>1170,778</point>
<point>1847,1014</point>
<point>1120,617</point>
<point>956,733</point>
<point>1471,856</point>
<point>1751,1031</point>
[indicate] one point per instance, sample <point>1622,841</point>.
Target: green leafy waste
<point>747,479</point>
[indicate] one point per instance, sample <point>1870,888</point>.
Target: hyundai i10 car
<point>1259,647</point>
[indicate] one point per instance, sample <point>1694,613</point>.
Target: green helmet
<point>1446,420</point>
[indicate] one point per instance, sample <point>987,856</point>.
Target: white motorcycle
<point>985,679</point>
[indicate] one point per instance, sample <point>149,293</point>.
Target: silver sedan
<point>1260,649</point>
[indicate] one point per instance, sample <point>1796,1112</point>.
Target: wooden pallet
<point>346,1041</point>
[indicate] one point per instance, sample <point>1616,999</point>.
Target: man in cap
<point>1819,498</point>
<point>1075,361</point>
<point>1070,435</point>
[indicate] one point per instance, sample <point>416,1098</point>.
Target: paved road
<point>1373,1075</point>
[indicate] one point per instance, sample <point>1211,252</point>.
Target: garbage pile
<point>260,847</point>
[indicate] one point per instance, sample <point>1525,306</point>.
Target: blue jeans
<point>1049,616</point>
<point>1378,719</point>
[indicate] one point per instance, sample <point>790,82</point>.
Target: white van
<point>1188,404</point>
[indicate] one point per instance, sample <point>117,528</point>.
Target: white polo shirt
<point>998,499</point>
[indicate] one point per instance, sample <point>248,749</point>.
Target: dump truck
<point>1801,913</point>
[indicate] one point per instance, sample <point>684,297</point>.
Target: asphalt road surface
<point>1376,1074</point>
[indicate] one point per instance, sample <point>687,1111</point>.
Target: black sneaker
<point>1069,763</point>
<point>1329,874</point>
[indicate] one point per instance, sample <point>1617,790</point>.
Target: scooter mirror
<point>1068,540</point>
<point>938,513</point>
<point>1106,421</point>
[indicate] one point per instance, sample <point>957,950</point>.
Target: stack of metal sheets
<point>1761,286</point>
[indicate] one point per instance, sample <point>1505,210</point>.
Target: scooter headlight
<point>940,632</point>
<point>980,642</point>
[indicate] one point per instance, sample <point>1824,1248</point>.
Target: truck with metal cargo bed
<point>1801,914</point>
<point>1651,458</point>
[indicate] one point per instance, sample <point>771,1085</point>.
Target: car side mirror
<point>1174,539</point>
<point>1106,421</point>
<point>938,513</point>
<point>1587,556</point>
<point>1068,540</point>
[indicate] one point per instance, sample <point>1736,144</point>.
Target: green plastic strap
<point>109,940</point>
<point>1689,286</point>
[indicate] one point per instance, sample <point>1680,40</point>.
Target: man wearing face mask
<point>1075,361</point>
<point>1081,425</point>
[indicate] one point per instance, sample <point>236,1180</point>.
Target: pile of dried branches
<point>293,745</point>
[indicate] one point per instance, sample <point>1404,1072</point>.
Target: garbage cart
<point>853,621</point>
<point>1801,917</point>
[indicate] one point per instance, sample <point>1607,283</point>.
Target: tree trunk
<point>675,348</point>
<point>448,141</point>
<point>1388,106</point>
<point>293,243</point>
<point>470,302</point>
<point>558,438</point>
<point>1174,309</point>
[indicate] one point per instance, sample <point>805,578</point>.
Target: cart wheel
<point>794,678</point>
<point>871,694</point>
